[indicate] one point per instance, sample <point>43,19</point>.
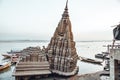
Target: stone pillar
<point>28,58</point>
<point>24,58</point>
<point>17,78</point>
<point>26,78</point>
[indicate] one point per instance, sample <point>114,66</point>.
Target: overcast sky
<point>38,19</point>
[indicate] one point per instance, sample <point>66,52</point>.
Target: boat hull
<point>7,65</point>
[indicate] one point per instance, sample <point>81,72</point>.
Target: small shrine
<point>33,64</point>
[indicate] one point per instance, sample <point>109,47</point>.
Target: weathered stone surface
<point>61,54</point>
<point>62,47</point>
<point>33,63</point>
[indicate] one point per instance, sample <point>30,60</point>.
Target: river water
<point>84,48</point>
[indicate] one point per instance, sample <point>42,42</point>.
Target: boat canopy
<point>116,32</point>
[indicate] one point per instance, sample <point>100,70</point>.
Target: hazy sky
<point>38,19</point>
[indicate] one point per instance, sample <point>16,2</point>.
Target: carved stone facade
<point>33,64</point>
<point>61,49</point>
<point>33,54</point>
<point>59,57</point>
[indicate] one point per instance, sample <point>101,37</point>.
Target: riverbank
<point>93,76</point>
<point>85,49</point>
<point>89,76</point>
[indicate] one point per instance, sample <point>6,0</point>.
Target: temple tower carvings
<point>61,49</point>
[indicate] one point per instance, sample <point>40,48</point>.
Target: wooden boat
<point>14,52</point>
<point>90,60</point>
<point>99,56</point>
<point>4,65</point>
<point>102,56</point>
<point>7,55</point>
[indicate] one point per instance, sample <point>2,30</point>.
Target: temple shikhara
<point>62,49</point>
<point>60,56</point>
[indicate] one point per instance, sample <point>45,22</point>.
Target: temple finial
<point>65,14</point>
<point>66,8</point>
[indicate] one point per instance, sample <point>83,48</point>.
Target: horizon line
<point>27,40</point>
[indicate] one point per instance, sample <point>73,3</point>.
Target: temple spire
<point>65,14</point>
<point>66,8</point>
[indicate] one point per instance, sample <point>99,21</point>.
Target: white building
<point>115,64</point>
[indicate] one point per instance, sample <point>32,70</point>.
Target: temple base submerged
<point>75,71</point>
<point>60,56</point>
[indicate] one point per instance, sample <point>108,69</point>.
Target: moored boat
<point>7,55</point>
<point>5,65</point>
<point>99,56</point>
<point>90,60</point>
<point>14,52</point>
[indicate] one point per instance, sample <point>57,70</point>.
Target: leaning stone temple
<point>60,56</point>
<point>61,49</point>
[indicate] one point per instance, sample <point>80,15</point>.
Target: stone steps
<point>32,63</point>
<point>32,69</point>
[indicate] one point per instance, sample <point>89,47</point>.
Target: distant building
<point>115,64</point>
